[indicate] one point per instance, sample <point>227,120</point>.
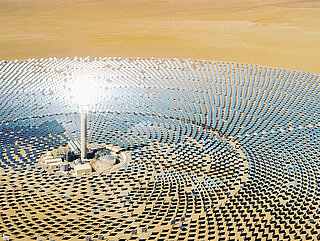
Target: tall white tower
<point>83,121</point>
<point>87,89</point>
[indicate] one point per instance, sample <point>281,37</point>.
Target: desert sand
<point>278,33</point>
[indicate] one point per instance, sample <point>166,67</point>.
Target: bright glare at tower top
<point>88,89</point>
<point>84,90</point>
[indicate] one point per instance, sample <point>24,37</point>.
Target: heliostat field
<point>220,151</point>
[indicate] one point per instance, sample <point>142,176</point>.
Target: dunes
<point>279,33</point>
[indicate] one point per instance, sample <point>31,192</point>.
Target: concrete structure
<point>84,114</point>
<point>54,165</point>
<point>45,158</point>
<point>108,158</point>
<point>52,160</point>
<point>74,146</point>
<point>82,169</point>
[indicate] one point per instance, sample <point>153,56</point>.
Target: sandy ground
<point>278,33</point>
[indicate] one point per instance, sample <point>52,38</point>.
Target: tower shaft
<point>84,115</point>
